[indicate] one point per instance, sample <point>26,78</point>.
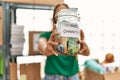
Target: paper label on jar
<point>69,32</point>
<point>67,38</point>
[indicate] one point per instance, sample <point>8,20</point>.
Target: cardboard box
<point>48,2</point>
<point>30,71</point>
<point>13,71</point>
<point>23,72</point>
<point>91,75</point>
<point>112,76</point>
<point>33,46</point>
<point>42,2</point>
<point>1,31</point>
<point>88,74</point>
<point>23,69</point>
<point>19,1</point>
<point>0,11</point>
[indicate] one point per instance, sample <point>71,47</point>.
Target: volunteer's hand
<point>84,50</point>
<point>51,42</point>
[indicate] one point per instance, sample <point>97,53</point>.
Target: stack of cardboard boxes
<point>17,39</point>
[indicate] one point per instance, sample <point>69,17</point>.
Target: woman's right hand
<point>51,42</point>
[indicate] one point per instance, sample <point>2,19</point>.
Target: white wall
<point>100,20</point>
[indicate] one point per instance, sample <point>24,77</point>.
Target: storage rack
<point>6,7</point>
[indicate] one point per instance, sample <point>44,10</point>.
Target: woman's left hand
<point>84,50</point>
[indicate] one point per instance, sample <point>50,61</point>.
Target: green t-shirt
<point>61,65</point>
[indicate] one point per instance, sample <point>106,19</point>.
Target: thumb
<point>54,32</point>
<point>54,27</point>
<point>80,41</point>
<point>82,35</point>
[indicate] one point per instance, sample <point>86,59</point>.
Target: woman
<point>60,67</point>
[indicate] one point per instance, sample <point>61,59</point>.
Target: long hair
<point>54,11</point>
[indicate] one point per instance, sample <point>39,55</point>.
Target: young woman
<point>60,67</point>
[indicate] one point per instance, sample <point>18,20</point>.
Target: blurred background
<point>22,21</point>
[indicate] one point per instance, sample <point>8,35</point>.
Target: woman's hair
<point>54,11</point>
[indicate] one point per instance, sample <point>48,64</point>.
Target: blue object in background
<point>92,64</point>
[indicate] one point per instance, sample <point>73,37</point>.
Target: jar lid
<point>68,12</point>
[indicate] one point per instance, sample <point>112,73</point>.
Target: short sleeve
<point>45,35</point>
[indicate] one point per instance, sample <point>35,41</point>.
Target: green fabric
<point>62,65</point>
<point>1,65</point>
<point>45,35</point>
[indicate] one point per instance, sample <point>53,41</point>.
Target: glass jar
<point>68,32</point>
<point>70,15</point>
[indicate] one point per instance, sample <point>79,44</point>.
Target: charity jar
<point>68,32</point>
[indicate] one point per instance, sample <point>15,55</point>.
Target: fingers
<point>80,41</point>
<point>49,51</point>
<point>54,33</point>
<point>55,53</point>
<point>82,50</point>
<point>52,43</point>
<point>84,46</point>
<point>54,27</point>
<point>82,35</point>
